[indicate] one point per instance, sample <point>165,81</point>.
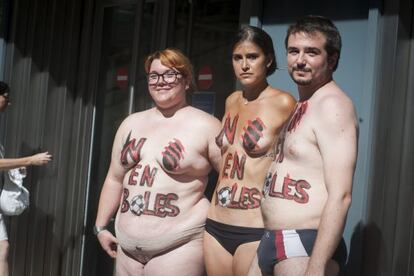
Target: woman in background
<point>9,164</point>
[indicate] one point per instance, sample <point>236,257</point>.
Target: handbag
<point>14,198</point>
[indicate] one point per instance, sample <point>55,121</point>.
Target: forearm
<point>12,163</point>
<point>330,232</point>
<point>108,203</point>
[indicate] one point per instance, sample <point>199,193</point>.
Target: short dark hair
<point>311,24</point>
<point>261,39</point>
<point>4,88</point>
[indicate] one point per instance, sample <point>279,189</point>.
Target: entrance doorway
<point>125,32</point>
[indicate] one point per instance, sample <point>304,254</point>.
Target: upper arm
<point>282,106</point>
<point>214,153</point>
<point>231,100</point>
<point>336,132</point>
<point>286,105</point>
<point>116,171</point>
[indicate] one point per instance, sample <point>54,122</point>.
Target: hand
<point>40,159</point>
<point>108,242</point>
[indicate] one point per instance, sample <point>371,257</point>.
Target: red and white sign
<point>122,77</point>
<point>205,78</point>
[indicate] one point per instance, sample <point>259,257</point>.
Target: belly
<point>282,213</point>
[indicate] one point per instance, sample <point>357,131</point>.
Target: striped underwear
<point>278,245</point>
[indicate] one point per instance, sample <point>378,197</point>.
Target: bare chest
<point>297,142</point>
<point>253,133</point>
<point>176,152</point>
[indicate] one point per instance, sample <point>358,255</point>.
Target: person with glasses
<point>253,118</point>
<point>9,164</point>
<point>155,184</point>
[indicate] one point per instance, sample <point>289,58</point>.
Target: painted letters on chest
<point>238,196</point>
<point>132,150</point>
<point>233,166</point>
<point>290,190</point>
<point>294,122</point>
<point>249,198</point>
<point>228,130</point>
<point>140,204</point>
<point>148,202</point>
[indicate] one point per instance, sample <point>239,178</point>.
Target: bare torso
<point>248,132</point>
<point>295,188</point>
<point>166,164</point>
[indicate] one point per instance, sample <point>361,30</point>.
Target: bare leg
<point>218,260</point>
<point>182,261</point>
<point>4,254</point>
<point>243,258</point>
<point>297,267</point>
<point>127,266</point>
<point>254,269</point>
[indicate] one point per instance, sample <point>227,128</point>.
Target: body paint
<point>228,130</point>
<point>252,134</point>
<point>131,150</point>
<point>147,176</point>
<point>290,190</point>
<point>249,198</point>
<point>125,203</point>
<point>172,155</point>
<point>294,122</point>
<point>297,116</point>
<point>162,205</point>
<point>236,164</point>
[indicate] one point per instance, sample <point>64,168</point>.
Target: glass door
<point>204,30</point>
<point>122,41</point>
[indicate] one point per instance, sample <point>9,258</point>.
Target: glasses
<point>167,77</point>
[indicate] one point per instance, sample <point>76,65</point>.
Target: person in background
<point>8,164</point>
<point>160,162</point>
<point>309,184</point>
<point>252,121</point>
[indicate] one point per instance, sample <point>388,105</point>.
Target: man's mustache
<point>304,70</point>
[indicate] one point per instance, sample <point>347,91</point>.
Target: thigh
<point>243,258</point>
<point>4,250</point>
<point>186,259</point>
<point>218,260</point>
<point>291,267</point>
<point>254,269</point>
<point>127,266</point>
<point>297,266</point>
<point>3,228</point>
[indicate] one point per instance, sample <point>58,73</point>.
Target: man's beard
<point>300,81</point>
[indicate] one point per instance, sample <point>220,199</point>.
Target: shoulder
<point>233,98</point>
<point>282,100</point>
<point>334,106</point>
<point>136,117</point>
<point>200,117</point>
<point>134,121</point>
